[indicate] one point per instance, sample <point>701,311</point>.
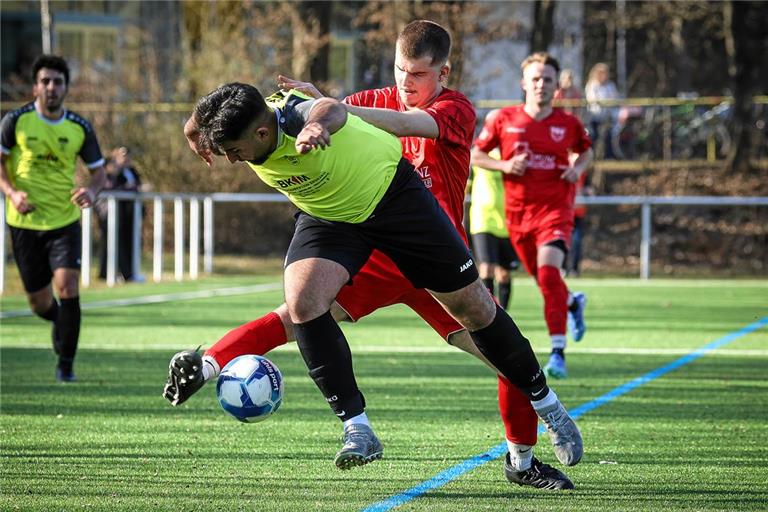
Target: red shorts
<point>379,284</point>
<point>537,230</point>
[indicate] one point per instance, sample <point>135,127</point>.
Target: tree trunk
<point>543,25</point>
<point>746,45</point>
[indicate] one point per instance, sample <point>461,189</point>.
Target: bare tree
<point>543,28</point>
<point>747,46</point>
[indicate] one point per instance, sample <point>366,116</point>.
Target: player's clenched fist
<point>312,136</point>
<point>516,165</point>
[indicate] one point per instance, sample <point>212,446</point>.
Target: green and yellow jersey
<point>344,182</point>
<point>486,212</point>
<point>42,156</point>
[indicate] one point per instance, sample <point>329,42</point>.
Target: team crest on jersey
<point>557,133</point>
<point>294,160</point>
<point>63,142</point>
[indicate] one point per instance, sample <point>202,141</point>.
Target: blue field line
<point>500,450</point>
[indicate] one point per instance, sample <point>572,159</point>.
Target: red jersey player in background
<point>436,126</point>
<point>544,151</point>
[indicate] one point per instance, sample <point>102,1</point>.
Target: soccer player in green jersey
<point>39,146</point>
<point>355,196</point>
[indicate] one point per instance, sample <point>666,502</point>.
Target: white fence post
<point>137,225</point>
<point>178,238</point>
<point>208,235</point>
<point>645,241</point>
<point>194,237</point>
<point>111,241</point>
<point>85,251</point>
<point>157,240</point>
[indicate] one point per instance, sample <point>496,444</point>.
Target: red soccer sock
<point>256,337</point>
<point>555,294</point>
<point>520,420</point>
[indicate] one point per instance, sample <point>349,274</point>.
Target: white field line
<point>383,349</point>
<point>166,297</point>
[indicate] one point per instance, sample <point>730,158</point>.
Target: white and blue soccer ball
<point>250,388</point>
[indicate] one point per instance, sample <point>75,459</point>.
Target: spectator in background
<point>487,227</point>
<point>601,119</point>
<point>583,188</point>
<point>567,90</point>
<point>122,177</point>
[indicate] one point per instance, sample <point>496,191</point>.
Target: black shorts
<point>38,253</point>
<point>408,225</point>
<point>489,248</point>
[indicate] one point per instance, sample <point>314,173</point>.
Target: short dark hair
<point>423,38</point>
<point>51,62</point>
<point>225,113</point>
<point>542,57</point>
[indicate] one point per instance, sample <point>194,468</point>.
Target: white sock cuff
<point>558,341</point>
<point>360,418</point>
<point>520,455</point>
<point>544,403</point>
<point>211,368</point>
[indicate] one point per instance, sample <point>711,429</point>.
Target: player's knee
<point>301,310</point>
<point>472,306</point>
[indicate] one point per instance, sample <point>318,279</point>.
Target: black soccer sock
<point>509,351</point>
<point>488,282</point>
<point>326,353</point>
<point>68,325</point>
<point>574,307</point>
<point>505,292</point>
<point>559,351</point>
<point>53,312</point>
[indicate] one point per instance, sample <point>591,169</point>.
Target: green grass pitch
<point>694,439</point>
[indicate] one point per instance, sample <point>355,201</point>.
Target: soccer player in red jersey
<point>436,127</point>
<point>544,151</point>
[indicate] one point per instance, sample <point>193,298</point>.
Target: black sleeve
<point>8,131</point>
<point>294,114</point>
<point>90,152</point>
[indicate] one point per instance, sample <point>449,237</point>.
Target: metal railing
<point>191,203</point>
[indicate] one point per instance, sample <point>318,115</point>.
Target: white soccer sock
<point>546,402</point>
<point>558,341</point>
<point>520,456</point>
<point>211,368</point>
<point>360,418</point>
<point>571,298</point>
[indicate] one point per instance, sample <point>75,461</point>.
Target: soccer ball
<point>250,388</point>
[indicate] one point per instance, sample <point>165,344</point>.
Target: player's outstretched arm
<point>326,117</point>
<point>413,123</point>
<point>286,83</point>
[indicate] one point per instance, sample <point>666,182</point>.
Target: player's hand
<point>83,197</point>
<point>195,143</point>
<point>286,84</point>
<point>570,174</point>
<point>516,165</point>
<point>20,202</point>
<point>313,135</point>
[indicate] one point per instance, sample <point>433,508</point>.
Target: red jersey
<point>442,163</point>
<point>547,143</point>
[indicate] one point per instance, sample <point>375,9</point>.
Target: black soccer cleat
<point>64,372</point>
<point>539,475</point>
<point>185,376</point>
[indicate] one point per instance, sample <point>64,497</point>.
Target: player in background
<point>544,151</point>
<point>436,133</point>
<point>490,239</point>
<point>583,189</point>
<point>39,146</point>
